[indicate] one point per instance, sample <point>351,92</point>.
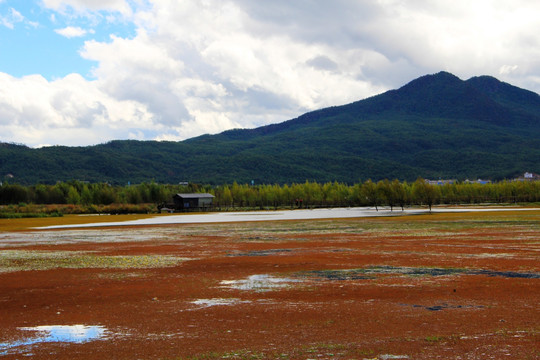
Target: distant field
<point>432,286</point>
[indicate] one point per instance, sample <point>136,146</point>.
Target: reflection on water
<point>56,333</point>
<point>259,283</point>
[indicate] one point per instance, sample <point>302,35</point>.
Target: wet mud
<point>443,286</point>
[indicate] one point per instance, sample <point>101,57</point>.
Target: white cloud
<point>507,69</point>
<point>198,67</point>
<point>207,73</point>
<point>85,6</point>
<point>69,111</point>
<point>71,32</point>
<point>11,18</point>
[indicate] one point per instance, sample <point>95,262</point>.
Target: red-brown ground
<point>459,286</point>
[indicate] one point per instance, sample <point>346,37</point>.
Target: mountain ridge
<point>434,126</point>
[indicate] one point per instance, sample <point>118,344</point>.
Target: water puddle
<point>373,271</point>
<point>259,283</point>
<point>203,303</point>
<point>55,333</point>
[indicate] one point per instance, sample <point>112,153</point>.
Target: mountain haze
<point>435,126</point>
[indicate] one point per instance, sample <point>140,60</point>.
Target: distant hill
<point>437,126</point>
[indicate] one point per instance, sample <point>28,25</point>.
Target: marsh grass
<point>21,260</point>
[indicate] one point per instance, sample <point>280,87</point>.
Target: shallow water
<point>224,217</point>
<point>55,333</point>
<point>298,214</point>
<point>203,303</point>
<point>259,283</point>
<point>373,271</point>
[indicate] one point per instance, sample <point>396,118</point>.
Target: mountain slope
<point>434,126</point>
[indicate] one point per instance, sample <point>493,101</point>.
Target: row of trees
<point>305,195</point>
<point>83,193</point>
<point>383,193</point>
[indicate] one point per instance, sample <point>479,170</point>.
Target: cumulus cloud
<point>210,72</point>
<point>197,67</point>
<point>69,111</point>
<point>71,32</point>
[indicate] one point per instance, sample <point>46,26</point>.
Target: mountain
<point>435,126</point>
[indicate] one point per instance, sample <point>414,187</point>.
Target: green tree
<point>86,196</point>
<point>370,193</point>
<point>425,193</point>
<point>73,196</point>
<point>384,188</point>
<point>226,197</point>
<point>104,194</point>
<point>399,193</point>
<point>41,194</point>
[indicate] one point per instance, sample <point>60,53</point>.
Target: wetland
<point>415,286</point>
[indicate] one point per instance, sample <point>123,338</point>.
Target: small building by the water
<point>195,201</point>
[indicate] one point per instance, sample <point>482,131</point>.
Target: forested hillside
<point>437,126</point>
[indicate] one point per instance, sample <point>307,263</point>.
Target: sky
<point>84,72</point>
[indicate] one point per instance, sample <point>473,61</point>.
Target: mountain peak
<point>443,75</point>
<point>490,85</point>
<point>437,80</point>
<point>444,95</point>
<point>505,93</point>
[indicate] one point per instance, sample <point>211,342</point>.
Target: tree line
<point>391,193</point>
<point>375,194</point>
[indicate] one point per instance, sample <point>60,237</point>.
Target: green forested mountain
<point>435,126</point>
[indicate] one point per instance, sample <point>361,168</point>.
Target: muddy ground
<point>442,286</point>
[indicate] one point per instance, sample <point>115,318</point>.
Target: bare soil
<point>444,286</point>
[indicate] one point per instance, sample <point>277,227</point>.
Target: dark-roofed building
<point>196,201</point>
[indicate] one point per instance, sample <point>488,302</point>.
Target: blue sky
<point>81,72</point>
<point>31,43</point>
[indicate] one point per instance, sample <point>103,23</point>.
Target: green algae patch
<point>20,260</point>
